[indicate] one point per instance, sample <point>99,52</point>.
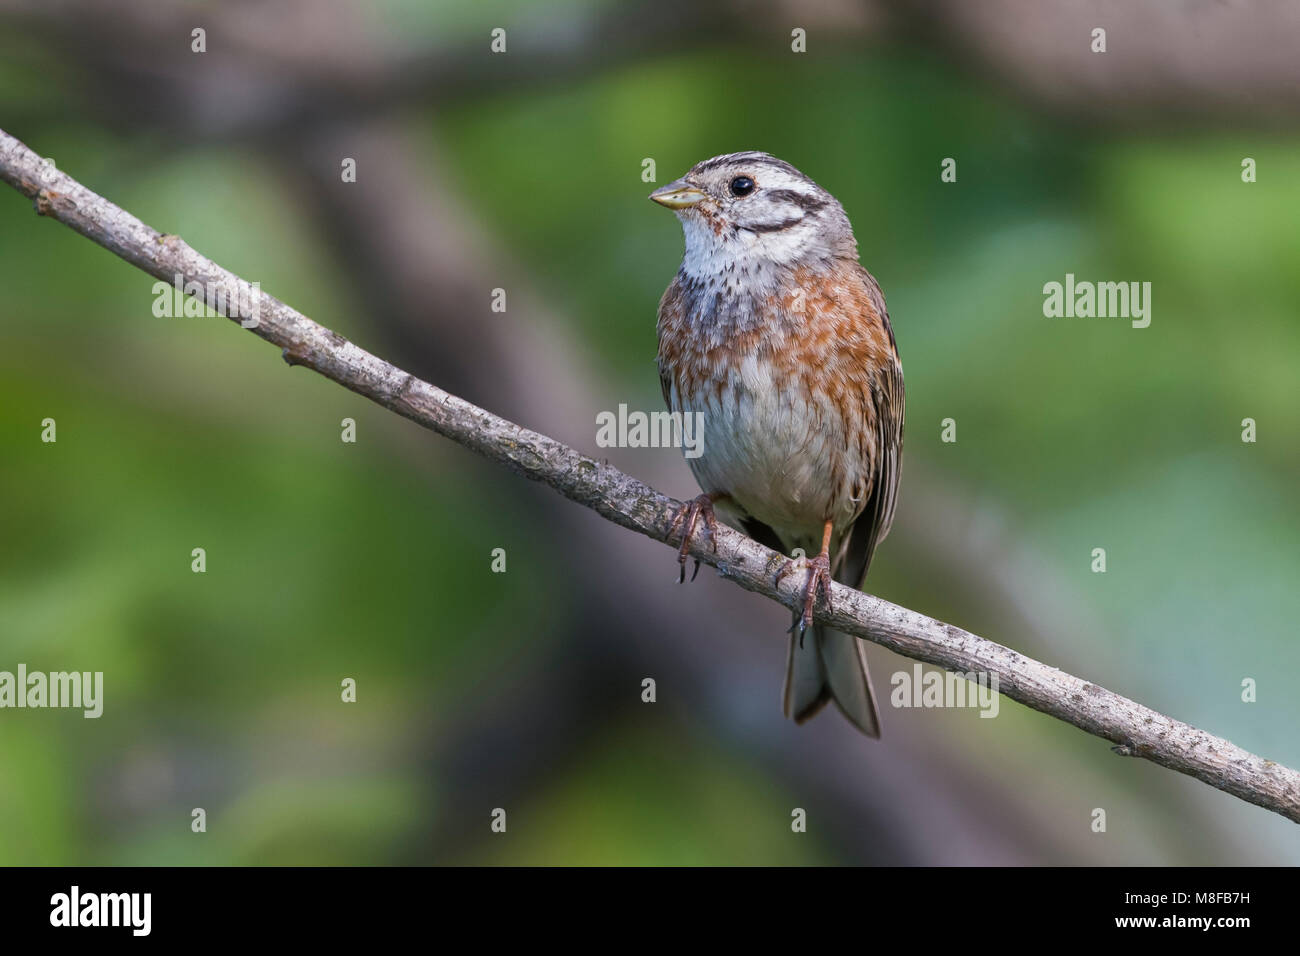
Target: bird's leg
<point>819,579</point>
<point>689,514</point>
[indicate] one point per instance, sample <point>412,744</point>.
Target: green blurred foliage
<point>327,559</point>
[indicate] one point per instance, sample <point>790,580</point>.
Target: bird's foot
<point>819,579</point>
<point>688,515</point>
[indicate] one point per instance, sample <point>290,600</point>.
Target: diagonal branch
<point>1135,729</point>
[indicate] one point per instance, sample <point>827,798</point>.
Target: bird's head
<point>753,211</point>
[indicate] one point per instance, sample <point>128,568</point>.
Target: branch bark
<point>1134,729</point>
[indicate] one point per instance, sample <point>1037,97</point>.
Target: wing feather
<point>877,515</point>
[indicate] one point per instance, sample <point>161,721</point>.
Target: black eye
<point>742,186</point>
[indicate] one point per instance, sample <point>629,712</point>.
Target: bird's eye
<point>742,186</point>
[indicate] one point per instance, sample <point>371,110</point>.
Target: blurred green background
<point>522,690</point>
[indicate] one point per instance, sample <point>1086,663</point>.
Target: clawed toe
<point>819,580</point>
<point>689,514</point>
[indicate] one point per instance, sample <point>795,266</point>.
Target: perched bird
<point>775,332</point>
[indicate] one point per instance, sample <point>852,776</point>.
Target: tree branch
<point>1135,729</point>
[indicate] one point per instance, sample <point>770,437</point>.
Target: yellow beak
<point>678,195</point>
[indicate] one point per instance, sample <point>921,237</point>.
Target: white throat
<point>753,255</point>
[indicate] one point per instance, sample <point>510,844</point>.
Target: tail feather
<point>806,690</point>
<point>830,665</point>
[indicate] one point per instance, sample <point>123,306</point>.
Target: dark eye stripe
<point>802,200</point>
<point>773,226</point>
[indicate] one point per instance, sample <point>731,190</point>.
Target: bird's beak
<point>678,195</point>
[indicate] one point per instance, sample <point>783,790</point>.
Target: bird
<point>774,332</point>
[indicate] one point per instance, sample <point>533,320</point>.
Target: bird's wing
<point>672,327</point>
<point>873,522</point>
<point>666,383</point>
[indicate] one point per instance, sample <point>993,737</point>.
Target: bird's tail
<point>829,665</point>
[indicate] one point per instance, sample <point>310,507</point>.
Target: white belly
<point>774,449</point>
